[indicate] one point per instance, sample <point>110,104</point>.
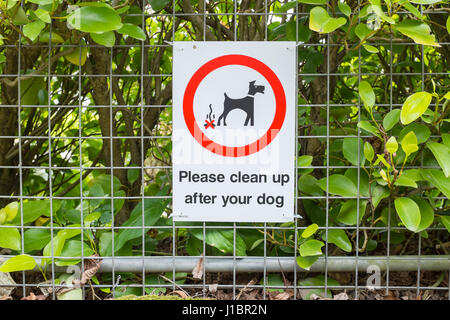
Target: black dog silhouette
<point>246,104</point>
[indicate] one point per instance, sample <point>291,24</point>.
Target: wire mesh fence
<point>86,154</point>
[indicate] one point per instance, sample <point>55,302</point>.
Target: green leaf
<point>286,6</point>
<point>419,31</point>
<point>318,281</point>
<point>153,208</point>
<point>391,119</point>
<point>222,239</point>
<point>370,48</point>
<point>338,184</point>
<point>320,21</point>
<point>446,222</point>
<point>11,3</point>
<point>2,216</point>
<point>310,230</point>
<point>448,24</point>
<point>158,5</point>
<point>273,280</point>
<point>18,263</point>
<point>313,1</point>
<point>72,248</point>
<point>315,213</point>
<point>383,173</point>
<point>36,239</point>
<point>132,31</point>
<point>379,193</point>
<point>10,238</point>
<point>408,6</point>
<point>32,30</point>
<point>155,280</point>
<point>426,214</point>
<point>350,150</point>
<point>380,158</point>
<point>78,56</point>
<point>367,95</point>
<point>442,154</point>
<point>304,161</point>
<point>409,213</point>
<point>339,238</point>
<point>409,143</point>
<point>19,16</point>
<point>362,31</point>
<point>352,174</point>
<point>413,174</point>
<point>420,130</point>
<point>43,15</point>
<point>366,125</point>
<point>306,262</point>
<point>425,1</point>
<point>438,179</point>
<point>348,214</point>
<point>392,145</point>
<point>308,184</point>
<point>311,248</point>
<point>368,151</point>
<point>90,218</point>
<point>11,210</point>
<point>96,191</point>
<point>29,89</point>
<point>33,209</point>
<point>43,97</point>
<point>446,139</point>
<point>345,8</point>
<point>55,246</point>
<point>414,106</point>
<point>105,182</point>
<point>133,175</point>
<point>378,10</point>
<point>95,19</point>
<point>42,2</point>
<point>405,182</point>
<point>44,37</point>
<point>106,39</point>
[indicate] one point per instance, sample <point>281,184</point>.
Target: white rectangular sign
<point>234,131</point>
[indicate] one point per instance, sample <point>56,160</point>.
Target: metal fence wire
<point>90,160</point>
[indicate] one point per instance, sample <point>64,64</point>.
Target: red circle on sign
<point>258,66</point>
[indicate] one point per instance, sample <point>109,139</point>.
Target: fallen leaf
<point>32,296</point>
<point>180,293</point>
<point>341,296</point>
<point>282,296</point>
<point>197,272</point>
<point>45,287</point>
<point>243,290</point>
<point>91,267</point>
<point>213,288</point>
<point>5,280</point>
<point>317,297</point>
<point>251,295</point>
<point>390,296</point>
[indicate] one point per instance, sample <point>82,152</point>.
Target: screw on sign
<point>248,96</point>
<point>210,123</point>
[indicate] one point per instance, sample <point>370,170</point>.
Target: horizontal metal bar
<point>270,264</point>
<point>149,75</point>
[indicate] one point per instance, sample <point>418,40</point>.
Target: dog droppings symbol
<point>210,123</point>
